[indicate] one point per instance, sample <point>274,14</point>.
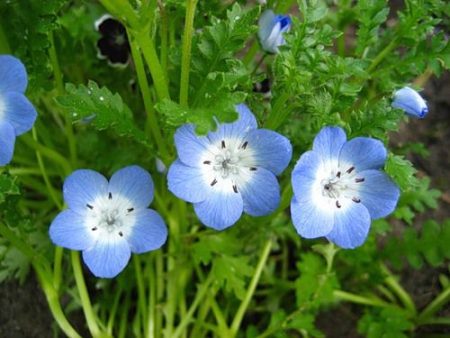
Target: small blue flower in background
<point>108,220</point>
<point>339,188</point>
<point>230,170</point>
<point>271,29</point>
<point>17,114</point>
<point>411,102</point>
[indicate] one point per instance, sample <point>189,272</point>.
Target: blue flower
<point>108,220</point>
<point>230,170</point>
<point>339,188</point>
<point>17,114</point>
<point>271,29</point>
<point>411,102</point>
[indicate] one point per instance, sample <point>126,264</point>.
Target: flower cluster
<point>230,170</point>
<point>17,114</point>
<point>108,220</point>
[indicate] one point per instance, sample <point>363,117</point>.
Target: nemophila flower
<point>113,45</point>
<point>230,170</point>
<point>411,102</point>
<point>108,220</point>
<point>339,188</point>
<point>271,29</point>
<point>17,114</point>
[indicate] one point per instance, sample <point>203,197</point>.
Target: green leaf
<point>8,186</point>
<point>97,106</point>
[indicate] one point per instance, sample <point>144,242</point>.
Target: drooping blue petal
<point>13,76</point>
<point>411,102</point>
<point>134,183</point>
<point>351,225</point>
<point>378,193</point>
<point>70,230</point>
<point>187,182</point>
<point>220,210</point>
<point>260,192</point>
<point>309,166</point>
<point>235,130</point>
<point>7,141</point>
<point>328,143</point>
<point>18,111</point>
<point>363,153</point>
<point>311,215</point>
<point>148,233</point>
<point>83,187</point>
<point>271,150</point>
<point>190,146</point>
<point>108,257</point>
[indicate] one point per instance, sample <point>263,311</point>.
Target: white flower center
<point>342,184</point>
<point>227,164</point>
<point>110,215</point>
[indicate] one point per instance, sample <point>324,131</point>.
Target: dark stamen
<point>206,162</point>
<point>213,182</point>
<point>252,169</point>
<point>94,228</point>
<point>359,180</point>
<point>338,175</point>
<point>338,205</point>
<point>110,196</point>
<point>223,144</point>
<point>235,188</point>
<point>327,186</point>
<point>244,145</point>
<point>349,170</point>
<point>130,209</point>
<point>90,206</point>
<point>120,233</point>
<point>356,200</point>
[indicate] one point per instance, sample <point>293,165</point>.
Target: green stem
<point>164,36</point>
<point>404,297</point>
<point>57,264</point>
<point>148,50</point>
<point>358,299</point>
<point>251,289</point>
<point>152,298</point>
<point>49,186</point>
<point>259,64</point>
<point>435,305</point>
<point>201,293</point>
<point>142,301</point>
<point>152,121</point>
<point>382,55</point>
<point>186,51</point>
<point>279,112</point>
<point>89,314</point>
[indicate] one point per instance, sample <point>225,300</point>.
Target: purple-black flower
<point>271,29</point>
<point>339,188</point>
<point>230,170</point>
<point>411,102</point>
<point>17,114</point>
<point>108,221</point>
<point>113,45</point>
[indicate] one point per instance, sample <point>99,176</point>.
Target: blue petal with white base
<point>13,76</point>
<point>7,141</point>
<point>231,170</point>
<point>19,112</point>
<point>108,220</point>
<point>411,102</point>
<point>339,188</point>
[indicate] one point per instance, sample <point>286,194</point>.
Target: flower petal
<point>134,183</point>
<point>265,24</point>
<point>411,102</point>
<point>82,187</point>
<point>220,210</point>
<point>363,153</point>
<point>378,193</point>
<point>187,183</point>
<point>13,76</point>
<point>312,214</point>
<point>190,146</point>
<point>328,143</point>
<point>351,225</point>
<point>269,149</point>
<point>19,112</point>
<point>108,257</point>
<point>70,230</point>
<point>148,233</point>
<point>260,191</point>
<point>7,141</point>
<point>308,165</point>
